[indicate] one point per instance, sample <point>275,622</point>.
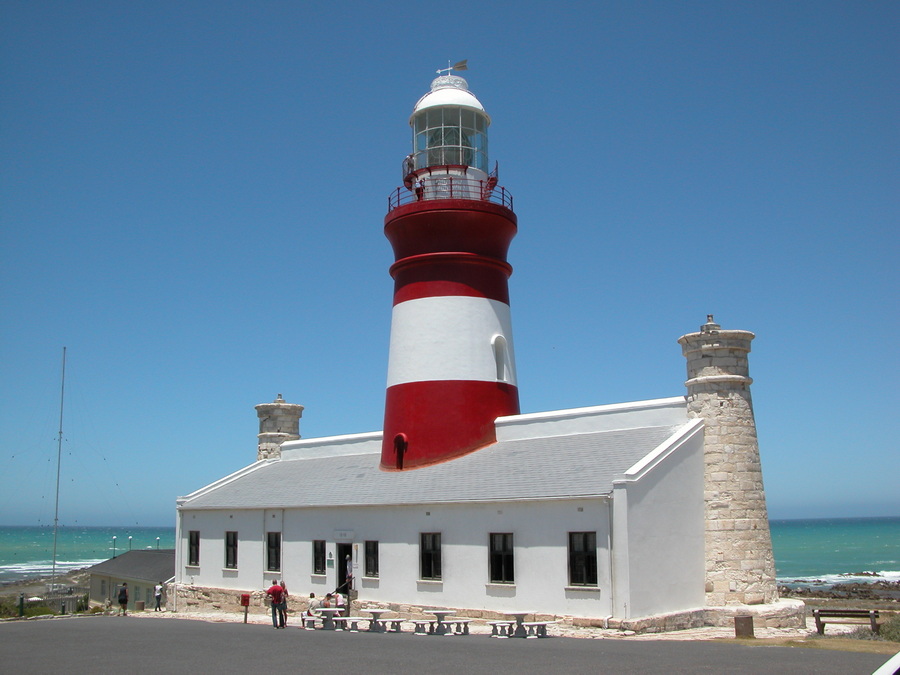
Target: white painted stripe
<point>448,338</point>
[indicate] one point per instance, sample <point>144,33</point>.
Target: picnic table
<point>376,623</point>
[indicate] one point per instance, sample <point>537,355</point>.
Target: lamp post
<point>157,543</point>
<point>114,546</point>
<point>129,542</point>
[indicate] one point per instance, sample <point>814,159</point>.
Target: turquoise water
<point>27,552</point>
<point>834,549</point>
<point>823,549</point>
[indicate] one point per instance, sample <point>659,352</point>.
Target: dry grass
<point>837,643</point>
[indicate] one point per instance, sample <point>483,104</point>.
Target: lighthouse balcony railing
<point>451,187</point>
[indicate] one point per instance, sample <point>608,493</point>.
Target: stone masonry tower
<point>740,568</point>
<point>278,422</point>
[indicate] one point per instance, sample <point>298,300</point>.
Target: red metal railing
<point>452,187</point>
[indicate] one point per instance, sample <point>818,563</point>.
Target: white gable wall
<point>658,530</point>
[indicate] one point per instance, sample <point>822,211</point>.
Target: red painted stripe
<point>443,419</point>
<point>451,225</point>
<point>437,274</point>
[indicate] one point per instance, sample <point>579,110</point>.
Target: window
<point>231,542</point>
<point>319,556</point>
<point>430,555</point>
<point>583,558</point>
<point>501,559</point>
<point>501,359</point>
<point>450,135</point>
<point>371,558</point>
<point>194,547</point>
<point>273,551</point>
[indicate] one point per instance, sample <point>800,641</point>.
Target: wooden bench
<point>536,629</point>
<point>501,629</point>
<point>860,616</point>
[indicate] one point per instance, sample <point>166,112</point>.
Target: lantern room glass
<point>450,135</point>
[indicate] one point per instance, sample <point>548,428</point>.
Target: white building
<point>639,514</point>
<point>559,516</point>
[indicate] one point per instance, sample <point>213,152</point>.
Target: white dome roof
<point>449,90</point>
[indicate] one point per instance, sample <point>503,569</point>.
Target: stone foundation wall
<point>781,614</point>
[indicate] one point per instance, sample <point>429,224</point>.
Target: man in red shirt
<point>276,593</point>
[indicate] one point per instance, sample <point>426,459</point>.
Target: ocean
<point>809,552</point>
<point>834,550</point>
<point>27,552</point>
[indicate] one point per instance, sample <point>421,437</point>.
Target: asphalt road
<point>132,645</point>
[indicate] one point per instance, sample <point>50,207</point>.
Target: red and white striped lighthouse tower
<point>451,369</point>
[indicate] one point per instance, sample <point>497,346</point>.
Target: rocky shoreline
<point>880,594</point>
<point>36,586</point>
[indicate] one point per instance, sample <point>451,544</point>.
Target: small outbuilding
<point>141,570</point>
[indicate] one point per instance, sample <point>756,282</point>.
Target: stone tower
<point>740,568</point>
<point>278,422</point>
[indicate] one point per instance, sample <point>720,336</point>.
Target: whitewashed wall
<point>540,532</point>
<point>658,531</point>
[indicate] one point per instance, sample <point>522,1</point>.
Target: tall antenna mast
<point>62,394</point>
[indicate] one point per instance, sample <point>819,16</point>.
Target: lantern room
<point>449,127</point>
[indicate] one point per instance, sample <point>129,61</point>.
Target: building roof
<point>546,465</point>
<point>148,565</point>
<point>449,90</point>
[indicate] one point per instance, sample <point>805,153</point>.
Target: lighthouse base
<point>434,421</point>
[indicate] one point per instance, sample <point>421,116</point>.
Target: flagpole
<point>62,394</point>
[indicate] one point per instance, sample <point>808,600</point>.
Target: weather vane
<point>459,65</point>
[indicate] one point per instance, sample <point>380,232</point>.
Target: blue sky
<point>192,198</point>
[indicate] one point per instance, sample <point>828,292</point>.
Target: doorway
<point>344,568</point>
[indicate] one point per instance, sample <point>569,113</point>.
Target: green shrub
<point>862,633</point>
<point>38,610</point>
<point>890,629</point>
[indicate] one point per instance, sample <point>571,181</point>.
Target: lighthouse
<point>451,366</point>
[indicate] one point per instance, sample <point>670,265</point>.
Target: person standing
<point>123,599</point>
<point>276,593</point>
<point>157,593</point>
<point>282,610</point>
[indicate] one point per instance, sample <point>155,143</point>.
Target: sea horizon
<point>808,551</point>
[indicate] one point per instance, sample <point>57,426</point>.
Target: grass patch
<point>841,644</point>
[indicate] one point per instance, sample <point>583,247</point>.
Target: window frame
<point>501,558</point>
<point>430,556</point>
<point>273,551</point>
<point>318,554</point>
<point>583,559</point>
<point>194,548</point>
<point>371,550</point>
<point>231,550</point>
